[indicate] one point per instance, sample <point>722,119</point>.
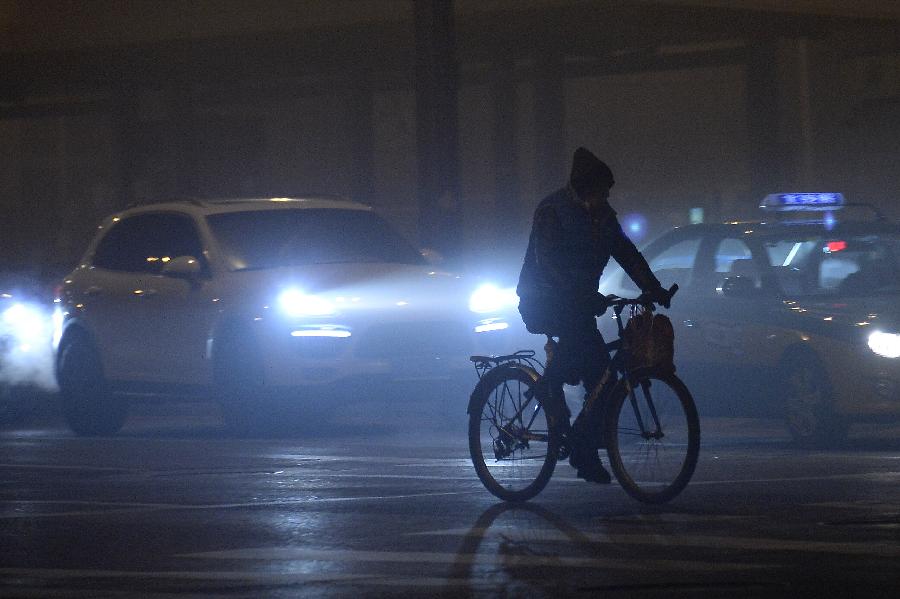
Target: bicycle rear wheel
<point>653,436</point>
<point>510,443</point>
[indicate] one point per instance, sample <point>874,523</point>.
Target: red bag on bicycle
<point>650,341</point>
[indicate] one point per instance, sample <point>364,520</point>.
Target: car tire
<point>809,404</point>
<point>88,406</point>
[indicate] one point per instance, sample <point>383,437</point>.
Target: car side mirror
<point>182,267</point>
<point>743,287</point>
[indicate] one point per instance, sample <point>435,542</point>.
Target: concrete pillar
<point>551,154</point>
<point>437,145</point>
<point>769,160</point>
<point>126,127</point>
<point>362,179</point>
<point>184,138</point>
<point>508,211</point>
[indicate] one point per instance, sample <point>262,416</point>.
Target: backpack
<point>650,341</point>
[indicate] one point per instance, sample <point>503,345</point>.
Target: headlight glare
<point>885,344</point>
<point>490,298</point>
<point>26,323</point>
<point>294,302</point>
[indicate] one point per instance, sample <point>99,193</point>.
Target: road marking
<point>481,559</point>
<point>137,507</point>
<point>664,540</point>
<point>69,467</point>
<point>882,476</point>
<point>861,504</point>
<point>184,575</point>
<point>255,577</point>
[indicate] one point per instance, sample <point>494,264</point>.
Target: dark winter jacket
<point>568,250</point>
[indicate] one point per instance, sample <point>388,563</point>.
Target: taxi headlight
<point>885,344</point>
<point>294,302</point>
<point>490,298</point>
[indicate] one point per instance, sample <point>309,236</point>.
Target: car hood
<point>874,311</point>
<point>354,286</point>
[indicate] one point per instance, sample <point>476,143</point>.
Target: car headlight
<point>294,302</point>
<point>26,324</point>
<point>885,344</point>
<point>490,298</point>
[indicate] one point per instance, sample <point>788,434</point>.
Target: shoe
<point>588,466</point>
<point>595,473</point>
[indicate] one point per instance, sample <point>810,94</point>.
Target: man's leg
<point>550,389</point>
<point>586,429</point>
<point>589,422</point>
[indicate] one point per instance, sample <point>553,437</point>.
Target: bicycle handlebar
<point>616,302</point>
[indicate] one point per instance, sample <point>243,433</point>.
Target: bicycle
<point>652,438</point>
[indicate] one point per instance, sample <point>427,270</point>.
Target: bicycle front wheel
<point>510,443</point>
<point>653,436</point>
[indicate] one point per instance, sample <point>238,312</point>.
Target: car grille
<point>413,340</point>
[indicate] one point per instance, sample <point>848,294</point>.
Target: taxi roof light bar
<point>792,205</point>
<point>803,202</point>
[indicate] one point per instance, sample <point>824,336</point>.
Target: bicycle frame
<point>619,365</point>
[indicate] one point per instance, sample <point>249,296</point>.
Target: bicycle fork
<point>632,398</point>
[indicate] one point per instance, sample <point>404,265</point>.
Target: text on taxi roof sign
<point>784,202</point>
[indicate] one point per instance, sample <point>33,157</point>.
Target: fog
<point>26,332</point>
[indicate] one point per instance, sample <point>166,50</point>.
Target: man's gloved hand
<point>660,296</point>
<point>599,304</point>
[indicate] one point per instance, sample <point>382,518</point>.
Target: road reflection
<point>518,553</point>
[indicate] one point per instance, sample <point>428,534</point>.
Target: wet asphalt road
<point>382,506</point>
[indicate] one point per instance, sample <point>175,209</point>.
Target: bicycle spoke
<point>511,449</point>
<point>655,439</point>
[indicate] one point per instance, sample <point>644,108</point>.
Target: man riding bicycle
<point>574,233</point>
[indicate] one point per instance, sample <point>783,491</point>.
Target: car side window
<point>733,258</point>
<point>145,242</point>
<point>671,264</point>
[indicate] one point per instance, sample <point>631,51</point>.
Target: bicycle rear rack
<point>523,356</point>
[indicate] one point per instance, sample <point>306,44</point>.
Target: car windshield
<point>261,239</point>
<point>836,265</point>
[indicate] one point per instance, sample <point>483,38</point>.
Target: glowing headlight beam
<point>885,344</point>
<point>493,326</point>
<point>296,303</point>
<point>332,333</point>
<point>26,323</point>
<point>490,298</point>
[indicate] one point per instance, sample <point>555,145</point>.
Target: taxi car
<point>795,316</point>
<point>252,299</point>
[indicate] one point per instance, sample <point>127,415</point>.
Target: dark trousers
<point>580,355</point>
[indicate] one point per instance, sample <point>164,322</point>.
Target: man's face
<point>595,198</point>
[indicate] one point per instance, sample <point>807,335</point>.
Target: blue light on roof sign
<point>786,202</point>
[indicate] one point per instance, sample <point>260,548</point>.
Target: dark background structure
<point>452,118</point>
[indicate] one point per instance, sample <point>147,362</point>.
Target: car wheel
<point>809,406</point>
<point>88,407</point>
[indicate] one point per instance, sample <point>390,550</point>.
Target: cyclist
<point>574,233</point>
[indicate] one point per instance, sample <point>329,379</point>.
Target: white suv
<point>247,298</point>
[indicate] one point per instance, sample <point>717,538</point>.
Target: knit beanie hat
<point>589,172</point>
